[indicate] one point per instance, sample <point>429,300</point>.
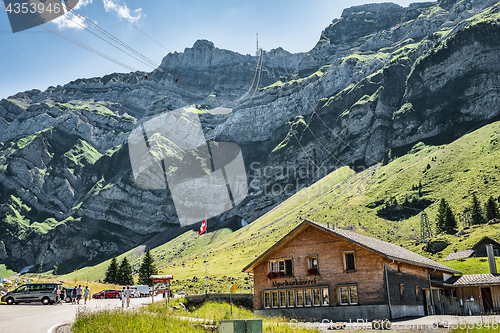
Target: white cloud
<point>72,21</point>
<point>123,11</point>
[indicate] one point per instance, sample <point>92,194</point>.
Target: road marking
<point>53,328</point>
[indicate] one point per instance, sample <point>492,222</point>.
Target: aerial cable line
<point>260,74</point>
<point>74,41</point>
<point>326,125</point>
<point>283,109</point>
<point>254,77</point>
<point>136,27</point>
<point>150,62</point>
<point>307,126</point>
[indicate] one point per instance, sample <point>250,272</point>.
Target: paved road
<point>38,318</point>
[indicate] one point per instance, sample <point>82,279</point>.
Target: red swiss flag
<point>203,227</point>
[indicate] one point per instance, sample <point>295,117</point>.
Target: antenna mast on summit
<point>257,39</point>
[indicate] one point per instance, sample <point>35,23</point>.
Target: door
<point>487,300</point>
<point>21,293</point>
<point>437,302</point>
<point>424,298</point>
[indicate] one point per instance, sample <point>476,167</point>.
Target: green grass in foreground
<point>222,311</point>
<point>138,321</point>
<point>153,318</point>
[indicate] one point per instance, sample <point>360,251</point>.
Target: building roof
<point>161,277</point>
<point>474,280</point>
<point>459,255</point>
<point>490,241</point>
<point>385,249</point>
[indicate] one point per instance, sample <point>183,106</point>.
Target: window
<point>274,299</point>
<point>312,265</point>
<point>349,262</point>
<point>22,289</point>
<point>299,297</point>
<point>282,299</point>
<point>279,268</point>
<point>267,300</point>
<point>454,293</point>
<point>325,299</point>
<point>353,294</point>
<point>307,297</point>
<point>290,297</point>
<point>303,297</point>
<point>495,252</point>
<point>348,295</point>
<point>316,297</point>
<point>417,293</point>
<point>402,291</point>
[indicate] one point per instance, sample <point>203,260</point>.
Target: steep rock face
<point>224,73</point>
<point>364,20</point>
<point>455,84</point>
<point>382,77</point>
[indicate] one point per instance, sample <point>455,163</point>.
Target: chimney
<point>491,259</point>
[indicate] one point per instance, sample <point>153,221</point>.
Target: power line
<point>283,109</point>
<point>259,60</point>
<point>136,27</point>
<point>74,41</point>
<point>326,125</point>
<point>145,60</point>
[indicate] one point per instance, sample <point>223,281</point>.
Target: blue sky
<point>36,58</point>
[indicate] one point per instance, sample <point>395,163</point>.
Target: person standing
<point>79,294</point>
<point>122,294</point>
<point>62,295</point>
<point>73,295</point>
<point>127,296</point>
<point>86,293</point>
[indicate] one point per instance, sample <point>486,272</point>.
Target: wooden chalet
<point>320,272</point>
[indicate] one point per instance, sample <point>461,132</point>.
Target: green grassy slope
<point>354,201</point>
<point>4,272</point>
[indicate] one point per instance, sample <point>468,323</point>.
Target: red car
<point>108,293</point>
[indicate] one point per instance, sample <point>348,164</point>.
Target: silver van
<point>33,292</point>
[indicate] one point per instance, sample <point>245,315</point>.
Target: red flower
<point>312,271</point>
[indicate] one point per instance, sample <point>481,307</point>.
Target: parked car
<point>142,289</point>
<point>108,293</point>
<point>134,293</point>
<point>33,292</point>
<point>67,299</point>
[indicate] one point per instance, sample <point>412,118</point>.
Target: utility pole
<point>257,50</point>
<point>425,227</point>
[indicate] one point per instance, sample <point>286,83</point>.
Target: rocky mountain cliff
<point>381,78</point>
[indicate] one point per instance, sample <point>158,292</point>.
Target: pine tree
<point>476,212</point>
<point>124,276</point>
<point>111,272</point>
<point>491,209</point>
<point>441,216</point>
<point>147,269</point>
<point>450,222</point>
<point>54,269</point>
<point>446,220</point>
